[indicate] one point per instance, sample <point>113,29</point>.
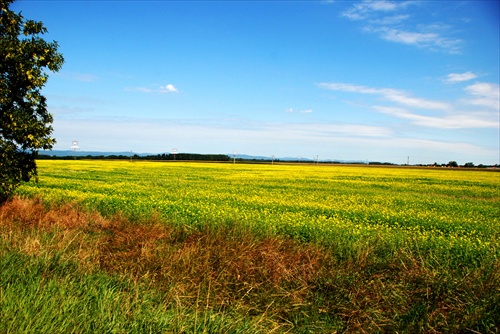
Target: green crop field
<point>393,249</point>
<point>453,213</point>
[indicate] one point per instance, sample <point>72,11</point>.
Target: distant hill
<point>70,153</point>
<point>296,159</point>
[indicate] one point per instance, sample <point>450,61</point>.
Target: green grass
<point>47,295</point>
<point>189,247</point>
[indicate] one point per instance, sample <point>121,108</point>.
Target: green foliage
<point>16,166</point>
<point>24,119</point>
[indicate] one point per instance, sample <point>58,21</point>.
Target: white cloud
<point>407,37</point>
<point>387,19</point>
<point>168,89</point>
<point>486,95</point>
<point>356,130</point>
<point>315,130</point>
<point>381,5</point>
<point>404,99</point>
<point>459,77</point>
<point>161,89</point>
<point>139,89</point>
<point>367,8</point>
<point>305,111</point>
<point>340,140</point>
<point>157,135</point>
<point>390,20</point>
<point>428,40</point>
<point>483,95</point>
<point>390,94</point>
<point>456,121</point>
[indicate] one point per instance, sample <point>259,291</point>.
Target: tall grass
<point>67,269</point>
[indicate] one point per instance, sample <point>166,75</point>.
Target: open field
<point>453,215</point>
<point>193,247</point>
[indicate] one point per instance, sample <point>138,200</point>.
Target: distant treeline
<point>227,158</point>
<point>178,156</point>
<point>188,156</point>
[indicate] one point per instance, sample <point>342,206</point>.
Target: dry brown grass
<point>287,283</point>
<point>225,268</point>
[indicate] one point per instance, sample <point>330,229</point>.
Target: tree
<point>25,123</point>
<point>452,164</point>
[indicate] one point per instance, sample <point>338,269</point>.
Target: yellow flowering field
<point>449,216</point>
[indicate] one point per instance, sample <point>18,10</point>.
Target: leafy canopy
<point>25,123</point>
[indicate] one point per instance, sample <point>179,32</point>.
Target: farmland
<point>456,210</point>
<point>360,248</point>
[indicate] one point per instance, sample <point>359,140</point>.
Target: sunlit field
<point>455,214</point>
<point>392,249</point>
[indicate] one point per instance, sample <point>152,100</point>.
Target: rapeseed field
<point>449,214</point>
<point>185,247</point>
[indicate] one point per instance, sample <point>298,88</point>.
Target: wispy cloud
<point>428,40</point>
<point>304,111</point>
<point>161,89</point>
<point>208,135</point>
<point>390,94</point>
<point>388,20</point>
<point>455,121</point>
<point>337,140</point>
<point>367,8</point>
<point>355,130</point>
<point>459,77</point>
<point>485,94</point>
<point>168,89</point>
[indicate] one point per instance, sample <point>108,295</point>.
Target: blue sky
<point>351,80</point>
